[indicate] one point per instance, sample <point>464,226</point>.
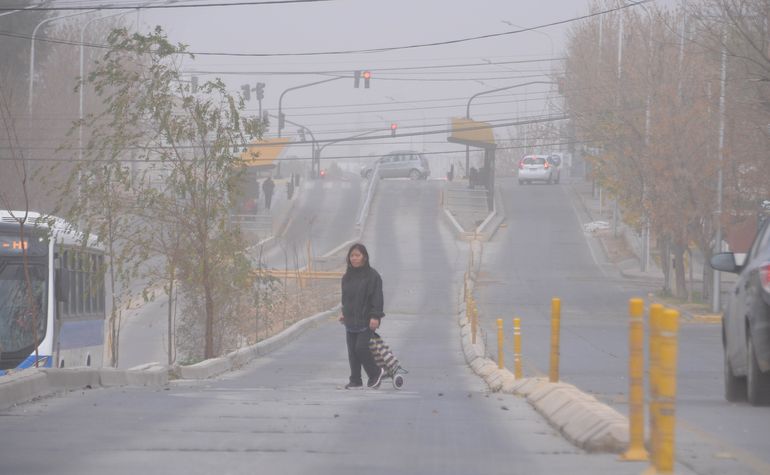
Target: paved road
<point>325,214</point>
<point>286,414</point>
<point>542,253</point>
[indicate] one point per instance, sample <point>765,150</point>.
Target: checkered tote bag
<point>383,356</point>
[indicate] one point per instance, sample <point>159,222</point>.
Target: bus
<point>64,313</point>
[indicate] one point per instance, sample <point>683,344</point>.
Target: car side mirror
<point>725,262</point>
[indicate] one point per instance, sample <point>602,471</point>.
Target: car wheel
<point>735,386</point>
<point>757,382</point>
<point>414,175</point>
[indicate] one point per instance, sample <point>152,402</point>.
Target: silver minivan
<point>401,164</point>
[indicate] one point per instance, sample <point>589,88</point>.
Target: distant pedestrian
<point>290,188</point>
<point>451,174</point>
<point>296,180</point>
<point>473,178</point>
<point>362,310</point>
<point>268,186</point>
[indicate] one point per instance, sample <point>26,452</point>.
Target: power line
<point>402,68</point>
<point>144,6</point>
<point>338,157</point>
<point>373,50</point>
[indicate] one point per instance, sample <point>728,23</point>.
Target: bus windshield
<point>19,313</point>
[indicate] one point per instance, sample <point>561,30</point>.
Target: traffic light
<point>281,121</point>
<point>194,84</point>
<point>301,133</point>
<point>260,91</point>
<point>367,75</point>
<point>246,92</point>
<point>393,128</point>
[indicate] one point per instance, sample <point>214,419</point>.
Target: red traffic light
<point>393,126</point>
<point>367,74</point>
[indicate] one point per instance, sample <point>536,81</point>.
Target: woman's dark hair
<point>362,249</point>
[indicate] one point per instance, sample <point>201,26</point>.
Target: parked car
<point>746,322</point>
<point>539,168</point>
<point>401,164</point>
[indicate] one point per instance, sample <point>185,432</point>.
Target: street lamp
<point>82,81</point>
<point>468,110</point>
<point>280,99</point>
<point>32,52</point>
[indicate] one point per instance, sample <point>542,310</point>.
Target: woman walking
<point>362,305</point>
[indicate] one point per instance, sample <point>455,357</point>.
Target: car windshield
<point>534,161</point>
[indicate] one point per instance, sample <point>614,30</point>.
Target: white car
<point>538,168</point>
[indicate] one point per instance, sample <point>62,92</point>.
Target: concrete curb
<point>31,383</point>
<point>242,356</point>
<point>578,416</point>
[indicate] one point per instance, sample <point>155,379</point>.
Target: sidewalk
<point>625,250</point>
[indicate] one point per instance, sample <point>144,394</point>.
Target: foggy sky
<point>359,24</point>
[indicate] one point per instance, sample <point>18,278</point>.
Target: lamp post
<point>32,53</point>
<point>82,81</point>
<point>320,149</point>
<point>468,110</point>
<point>280,99</point>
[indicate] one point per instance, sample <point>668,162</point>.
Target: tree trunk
<point>681,282</point>
<point>209,304</point>
<point>170,329</point>
<point>665,264</point>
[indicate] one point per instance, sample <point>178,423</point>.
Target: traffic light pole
<point>280,99</point>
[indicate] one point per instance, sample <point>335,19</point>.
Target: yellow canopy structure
<point>469,132</point>
<point>264,153</point>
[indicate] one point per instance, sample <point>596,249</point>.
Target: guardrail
<point>373,180</point>
<point>253,222</point>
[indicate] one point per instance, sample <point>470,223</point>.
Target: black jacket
<point>361,297</point>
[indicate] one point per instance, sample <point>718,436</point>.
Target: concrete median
<point>238,358</point>
<point>32,383</point>
<point>579,417</point>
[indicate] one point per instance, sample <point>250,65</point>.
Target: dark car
<point>746,322</point>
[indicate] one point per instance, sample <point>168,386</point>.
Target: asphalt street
<point>325,215</point>
<point>543,252</point>
<point>286,412</point>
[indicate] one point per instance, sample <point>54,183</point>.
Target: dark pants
<point>359,354</point>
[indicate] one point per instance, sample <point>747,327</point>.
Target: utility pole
<point>716,287</point>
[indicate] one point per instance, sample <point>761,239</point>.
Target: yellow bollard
<point>474,322</point>
<point>636,450</point>
<point>517,348</point>
<point>500,340</point>
<point>663,459</point>
<point>656,317</point>
<point>553,373</point>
